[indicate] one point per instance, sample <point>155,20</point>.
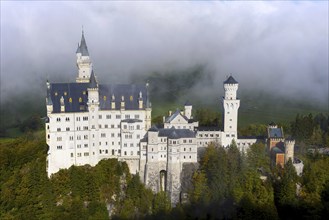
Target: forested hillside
<point>228,183</point>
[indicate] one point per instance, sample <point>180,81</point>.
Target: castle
<point>88,121</point>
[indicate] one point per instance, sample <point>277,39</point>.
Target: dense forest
<point>228,183</point>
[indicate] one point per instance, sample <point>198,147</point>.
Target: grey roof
<point>82,48</point>
<point>187,103</point>
<point>76,96</point>
<point>93,84</point>
<point>208,128</point>
<point>277,150</point>
<point>172,133</point>
<point>154,128</point>
<point>275,133</point>
<point>174,115</point>
<point>230,80</point>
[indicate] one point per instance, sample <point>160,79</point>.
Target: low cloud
<point>279,47</point>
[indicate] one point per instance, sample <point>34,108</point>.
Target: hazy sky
<point>281,46</point>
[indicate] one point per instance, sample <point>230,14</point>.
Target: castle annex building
<point>88,121</point>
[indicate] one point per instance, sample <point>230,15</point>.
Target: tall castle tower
<point>83,62</point>
<point>231,106</point>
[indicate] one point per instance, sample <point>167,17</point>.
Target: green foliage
<point>253,130</point>
<point>208,117</point>
<point>161,203</point>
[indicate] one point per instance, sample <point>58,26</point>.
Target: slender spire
<point>92,83</point>
<point>82,48</point>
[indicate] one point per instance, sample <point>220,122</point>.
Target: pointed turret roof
<point>92,82</point>
<point>230,80</point>
<point>82,48</point>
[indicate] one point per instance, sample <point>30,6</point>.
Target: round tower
<point>289,145</point>
<point>231,106</point>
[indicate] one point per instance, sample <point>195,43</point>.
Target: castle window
<point>103,135</point>
<point>232,135</point>
<point>79,146</point>
<point>106,151</point>
<point>85,137</point>
<point>48,127</point>
<point>79,154</point>
<point>190,141</point>
<point>184,141</point>
<point>138,136</point>
<point>106,126</point>
<point>190,157</point>
<point>127,116</point>
<point>138,127</point>
<point>104,98</point>
<point>58,129</point>
<point>71,138</point>
<point>78,118</point>
<point>67,119</point>
<point>80,99</point>
<point>137,116</point>
<point>112,143</point>
<point>86,145</point>
<point>125,152</point>
<point>78,137</point>
<point>85,154</point>
<point>124,145</point>
<point>58,119</point>
<point>78,128</point>
<point>184,157</point>
<point>112,152</point>
<point>59,147</point>
<point>70,100</point>
<point>67,129</point>
<point>85,127</point>
<point>137,152</point>
<point>85,118</point>
<point>112,135</point>
<point>59,138</point>
<point>108,116</point>
<point>119,151</point>
<point>125,127</point>
<point>99,116</point>
<point>184,149</point>
<point>131,145</point>
<point>118,116</point>
<point>200,135</point>
<point>71,154</point>
<point>227,135</point>
<point>131,153</point>
<point>230,126</point>
<point>112,126</point>
<point>48,136</point>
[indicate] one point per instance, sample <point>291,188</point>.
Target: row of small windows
<point>228,135</point>
<point>209,135</point>
<point>190,149</point>
<point>185,157</point>
<point>131,145</point>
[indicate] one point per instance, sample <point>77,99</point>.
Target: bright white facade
<point>87,121</point>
